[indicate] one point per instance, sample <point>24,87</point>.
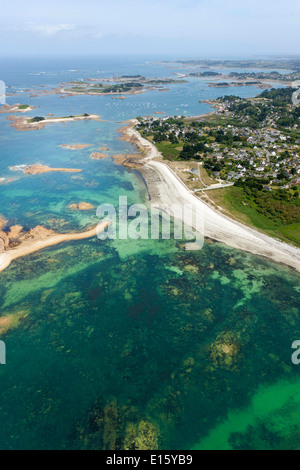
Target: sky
<point>181,28</point>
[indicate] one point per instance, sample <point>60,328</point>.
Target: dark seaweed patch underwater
<point>141,345</point>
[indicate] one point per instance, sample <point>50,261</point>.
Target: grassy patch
<point>36,119</point>
<point>291,232</point>
<point>205,177</point>
<point>235,202</point>
<point>75,89</point>
<point>168,150</point>
<point>215,120</point>
<point>67,117</point>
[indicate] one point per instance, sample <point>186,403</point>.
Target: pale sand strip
<point>39,169</point>
<point>166,189</point>
<point>93,117</point>
<point>26,249</point>
<point>24,124</point>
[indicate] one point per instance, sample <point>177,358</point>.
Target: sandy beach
<point>166,189</point>
<point>16,108</point>
<point>24,124</point>
<point>131,135</point>
<point>45,239</point>
<point>39,169</point>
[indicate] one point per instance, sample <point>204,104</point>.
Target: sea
<point>132,344</point>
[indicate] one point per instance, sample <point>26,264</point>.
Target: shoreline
<point>38,169</point>
<point>65,93</point>
<point>24,124</point>
<point>166,189</point>
<point>16,108</point>
<point>35,245</point>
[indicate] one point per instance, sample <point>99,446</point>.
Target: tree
<point>37,119</point>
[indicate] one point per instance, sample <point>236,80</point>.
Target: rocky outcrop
<point>82,206</point>
<point>130,161</point>
<point>98,155</point>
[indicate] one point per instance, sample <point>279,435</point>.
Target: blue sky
<point>203,28</point>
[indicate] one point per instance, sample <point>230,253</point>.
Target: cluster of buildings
<point>264,152</point>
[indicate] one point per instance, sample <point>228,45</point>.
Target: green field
<point>236,203</point>
<point>168,150</point>
<point>292,232</point>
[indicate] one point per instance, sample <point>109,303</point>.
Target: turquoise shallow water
<point>143,334</point>
<point>134,344</point>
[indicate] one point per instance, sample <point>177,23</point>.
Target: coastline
<point>34,245</point>
<point>65,93</point>
<point>166,189</point>
<point>24,124</point>
<point>38,169</point>
<point>16,108</point>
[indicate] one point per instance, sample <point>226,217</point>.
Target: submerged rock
<point>142,436</point>
<point>225,350</point>
<point>8,322</point>
<point>98,155</point>
<point>130,161</point>
<point>82,206</point>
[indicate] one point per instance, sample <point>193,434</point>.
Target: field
<point>168,150</point>
<point>235,202</point>
<point>292,232</point>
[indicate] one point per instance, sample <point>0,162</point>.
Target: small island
<point>98,155</point>
<point>16,108</point>
<point>39,122</point>
<point>116,86</point>
<point>38,169</point>
<point>75,146</point>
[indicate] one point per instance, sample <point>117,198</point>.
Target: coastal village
<point>236,151</point>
